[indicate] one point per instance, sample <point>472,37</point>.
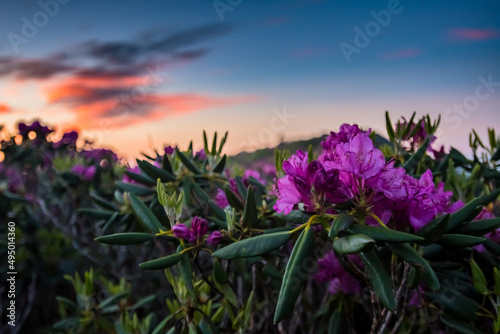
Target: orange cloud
<point>4,108</point>
<point>108,104</point>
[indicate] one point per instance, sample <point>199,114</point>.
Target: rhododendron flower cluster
<point>351,169</point>
<point>196,233</point>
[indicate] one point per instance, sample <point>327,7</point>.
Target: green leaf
<point>461,216</point>
<point>480,227</point>
<point>125,238</point>
<point>435,229</point>
<point>255,246</point>
<point>162,263</point>
<point>354,243</point>
<point>67,324</point>
<point>460,240</point>
<point>295,274</point>
<point>337,323</point>
<point>232,199</point>
<point>340,223</point>
<point>379,278</point>
<point>222,142</point>
<point>214,145</point>
<point>97,214</point>
<point>496,155</point>
<point>229,294</point>
<point>205,142</point>
<point>102,202</point>
<point>384,234</point>
<point>142,302</point>
<point>479,278</point>
<point>166,165</point>
<point>496,277</point>
<point>219,273</point>
<point>409,125</point>
<point>144,214</point>
<point>155,172</point>
<point>186,162</point>
<point>250,217</point>
<point>218,212</point>
<point>219,167</point>
<point>459,325</point>
<point>146,180</point>
<point>389,126</point>
<point>158,329</point>
<point>410,255</point>
<point>458,157</point>
<point>113,299</point>
<point>137,190</point>
<point>410,165</point>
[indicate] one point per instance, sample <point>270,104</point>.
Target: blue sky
<point>264,70</point>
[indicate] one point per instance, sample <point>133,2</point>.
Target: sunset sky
<point>134,74</point>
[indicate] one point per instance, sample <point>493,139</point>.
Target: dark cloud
<point>116,58</point>
<point>33,68</point>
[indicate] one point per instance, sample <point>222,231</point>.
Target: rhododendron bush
<point>363,234</point>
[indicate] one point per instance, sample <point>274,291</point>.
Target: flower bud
<point>181,231</point>
<point>214,238</point>
<point>199,226</point>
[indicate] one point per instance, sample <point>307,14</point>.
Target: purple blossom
<point>169,150</point>
<point>214,238</point>
<point>199,226</point>
<point>87,173</point>
<point>358,157</point>
<point>181,231</point>
<point>200,155</point>
<point>221,199</point>
<point>69,138</point>
<point>99,154</point>
<point>339,280</point>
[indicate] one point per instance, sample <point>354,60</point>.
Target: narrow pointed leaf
<point>379,278</point>
<point>138,190</point>
<point>384,234</point>
<point>255,246</point>
<point>295,274</point>
<point>435,229</point>
<point>146,180</point>
<point>340,223</point>
<point>97,214</point>
<point>144,214</point>
<point>459,325</point>
<point>125,238</point>
<point>186,162</point>
<point>389,126</point>
<point>166,165</point>
<point>214,145</point>
<point>250,217</point>
<point>222,142</point>
<point>460,240</point>
<point>480,227</point>
<point>410,255</point>
<point>155,172</point>
<point>219,167</point>
<point>461,216</point>
<point>162,263</point>
<point>478,278</point>
<point>354,243</point>
<point>410,165</point>
<point>232,199</point>
<point>496,155</point>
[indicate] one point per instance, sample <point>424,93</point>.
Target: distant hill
<point>265,156</point>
